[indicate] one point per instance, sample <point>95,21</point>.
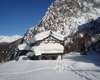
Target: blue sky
<point>17,16</point>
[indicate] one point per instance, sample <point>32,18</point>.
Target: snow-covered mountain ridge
<point>9,39</point>
<point>65,16</point>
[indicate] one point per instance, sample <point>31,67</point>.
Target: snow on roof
<point>23,46</point>
<point>45,34</point>
<point>47,48</point>
<point>40,36</point>
<point>58,36</point>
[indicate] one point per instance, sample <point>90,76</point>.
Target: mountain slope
<point>7,52</point>
<point>65,16</point>
<point>4,40</point>
<point>9,39</point>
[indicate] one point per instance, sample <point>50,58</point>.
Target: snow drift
<point>73,67</point>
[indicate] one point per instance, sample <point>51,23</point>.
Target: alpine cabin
<point>46,45</point>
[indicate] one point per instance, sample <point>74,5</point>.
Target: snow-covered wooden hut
<point>47,45</point>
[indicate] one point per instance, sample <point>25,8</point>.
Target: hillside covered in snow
<point>73,67</point>
<point>8,46</point>
<point>65,16</point>
<point>9,39</point>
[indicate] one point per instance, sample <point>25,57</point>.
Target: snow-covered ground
<point>9,39</point>
<point>73,67</point>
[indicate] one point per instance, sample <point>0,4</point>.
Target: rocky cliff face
<point>65,16</point>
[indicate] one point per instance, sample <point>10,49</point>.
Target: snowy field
<point>72,67</point>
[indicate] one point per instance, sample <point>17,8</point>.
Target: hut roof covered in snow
<point>23,46</point>
<point>43,35</point>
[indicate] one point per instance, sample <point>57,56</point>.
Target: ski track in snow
<point>60,67</point>
<point>47,68</point>
<point>28,71</point>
